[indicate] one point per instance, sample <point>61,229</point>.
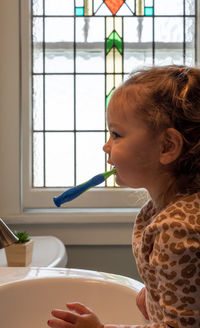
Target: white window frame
<point>84,225</point>
<point>123,198</point>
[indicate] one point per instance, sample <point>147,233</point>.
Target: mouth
<point>113,168</point>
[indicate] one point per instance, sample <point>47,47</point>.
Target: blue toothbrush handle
<point>74,192</point>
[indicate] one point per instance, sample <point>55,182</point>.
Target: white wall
<point>9,107</point>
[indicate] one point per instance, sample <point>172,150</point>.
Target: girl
<point>154,124</point>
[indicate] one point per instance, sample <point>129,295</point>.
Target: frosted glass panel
<point>59,102</point>
<point>38,102</point>
<point>190,41</point>
<point>138,34</point>
<point>78,61</point>
<point>37,7</point>
<point>90,155</point>
<point>38,160</point>
<point>59,30</point>
<point>137,29</point>
<point>90,29</point>
<point>168,29</point>
<point>59,7</point>
<point>168,41</point>
<point>166,57</point>
<point>190,7</point>
<point>90,45</point>
<point>131,5</point>
<point>90,61</point>
<point>59,153</point>
<point>190,31</point>
<point>169,7</point>
<point>59,49</point>
<point>90,102</point>
<point>37,45</point>
<point>59,60</point>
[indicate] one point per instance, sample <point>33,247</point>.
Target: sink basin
<point>48,251</point>
<point>28,303</point>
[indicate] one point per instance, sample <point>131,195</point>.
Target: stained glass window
<point>82,50</point>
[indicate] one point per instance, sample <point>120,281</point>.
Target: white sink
<point>48,251</point>
<point>27,303</point>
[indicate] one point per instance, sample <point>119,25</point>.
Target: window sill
<point>78,226</point>
<point>75,216</point>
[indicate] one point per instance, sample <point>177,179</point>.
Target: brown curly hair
<point>169,96</point>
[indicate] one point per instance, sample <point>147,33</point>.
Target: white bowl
<point>28,303</point>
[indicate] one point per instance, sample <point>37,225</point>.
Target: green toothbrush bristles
<point>109,173</point>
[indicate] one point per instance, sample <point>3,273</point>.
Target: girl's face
<point>131,148</point>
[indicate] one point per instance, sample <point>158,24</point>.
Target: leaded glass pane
<point>90,45</point>
<point>59,163</point>
<point>37,7</point>
<point>169,7</point>
<point>168,40</point>
<point>103,10</point>
<point>59,7</point>
<point>38,100</point>
<point>59,50</point>
<point>189,41</point>
<point>190,7</point>
<point>131,5</point>
<point>81,51</point>
<point>37,45</point>
<point>138,39</point>
<point>90,157</point>
<point>59,30</point>
<point>59,101</point>
<point>38,159</point>
<point>90,102</point>
<point>124,11</point>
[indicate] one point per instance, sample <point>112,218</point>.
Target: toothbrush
<point>74,192</point>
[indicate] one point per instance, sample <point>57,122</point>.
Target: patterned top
<point>167,252</point>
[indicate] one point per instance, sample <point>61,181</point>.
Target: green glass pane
<point>148,11</point>
<point>114,40</point>
<point>79,11</point>
<point>108,97</point>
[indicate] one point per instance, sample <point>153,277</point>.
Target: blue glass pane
<point>79,11</point>
<point>148,11</point>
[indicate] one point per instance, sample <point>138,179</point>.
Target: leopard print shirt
<point>167,251</point>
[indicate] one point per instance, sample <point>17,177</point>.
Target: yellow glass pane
<point>118,80</point>
<point>110,62</point>
<point>118,61</point>
<point>109,26</point>
<point>118,25</point>
<point>139,7</point>
<point>110,83</point>
<point>88,7</point>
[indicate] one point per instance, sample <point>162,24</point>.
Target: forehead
<point>123,103</point>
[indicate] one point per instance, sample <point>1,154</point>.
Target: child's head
<point>167,99</point>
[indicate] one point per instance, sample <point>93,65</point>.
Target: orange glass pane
<point>114,5</point>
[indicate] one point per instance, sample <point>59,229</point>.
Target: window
<point>81,51</point>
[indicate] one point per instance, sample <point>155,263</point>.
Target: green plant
<point>22,236</point>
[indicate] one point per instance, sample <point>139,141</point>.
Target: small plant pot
<point>19,254</point>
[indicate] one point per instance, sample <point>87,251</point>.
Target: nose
<point>106,147</point>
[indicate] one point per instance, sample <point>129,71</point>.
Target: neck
<point>165,192</point>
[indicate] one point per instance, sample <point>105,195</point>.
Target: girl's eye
<point>115,135</point>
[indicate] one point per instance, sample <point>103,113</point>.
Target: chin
<point>120,182</point>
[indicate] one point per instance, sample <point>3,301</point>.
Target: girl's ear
<point>171,146</point>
